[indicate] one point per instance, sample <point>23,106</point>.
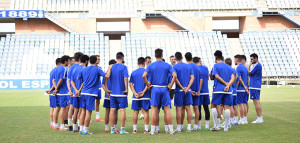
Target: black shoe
<point>70,128</point>
<point>66,122</point>
<point>78,128</point>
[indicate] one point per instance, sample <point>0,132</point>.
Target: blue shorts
<point>196,100</point>
<point>76,102</point>
<point>254,94</point>
<point>57,100</point>
<point>71,100</point>
<point>106,103</point>
<point>204,99</point>
<point>138,104</point>
<point>234,100</point>
<point>242,97</point>
<point>52,100</point>
<point>82,101</point>
<point>220,98</point>
<point>160,97</point>
<point>63,101</point>
<point>99,94</point>
<point>158,107</point>
<point>118,102</point>
<point>88,102</point>
<point>68,100</point>
<point>183,99</point>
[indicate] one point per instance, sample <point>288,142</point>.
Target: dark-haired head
<point>178,56</point>
<point>84,58</point>
<point>218,55</point>
<point>147,58</point>
<point>112,61</point>
<point>119,56</point>
<point>196,60</point>
<point>158,53</point>
<point>77,56</point>
<point>188,56</point>
<point>57,61</point>
<point>254,55</point>
<point>64,59</point>
<point>141,61</point>
<point>93,59</point>
<point>244,57</point>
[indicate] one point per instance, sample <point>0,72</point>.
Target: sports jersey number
<point>32,14</point>
<point>3,14</point>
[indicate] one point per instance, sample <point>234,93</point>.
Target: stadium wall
<point>252,23</point>
<point>80,25</point>
<point>152,25</point>
<point>41,26</point>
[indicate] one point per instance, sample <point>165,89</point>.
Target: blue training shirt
<point>139,85</point>
<point>205,75</point>
<point>61,73</point>
<point>91,80</point>
<point>74,76</point>
<point>100,85</point>
<point>243,73</point>
<point>70,72</point>
<point>198,76</point>
<point>256,76</point>
<point>234,88</point>
<point>183,71</point>
<point>52,76</point>
<point>159,72</point>
<point>118,73</point>
<point>225,72</point>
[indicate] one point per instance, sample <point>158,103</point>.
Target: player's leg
<point>82,120</point>
<point>216,101</point>
<point>188,100</point>
<point>146,120</point>
<point>76,110</point>
<point>245,108</point>
<point>178,102</point>
<point>207,116</point>
<point>200,117</point>
<point>63,105</point>
<point>98,98</point>
<point>241,107</point>
<point>227,102</point>
<point>166,123</point>
<point>196,111</point>
<point>255,96</point>
<point>178,117</point>
<point>135,106</point>
<point>70,113</point>
<point>146,106</point>
<point>106,105</point>
<point>113,114</point>
<point>51,117</point>
<point>182,117</point>
<point>154,111</point>
<point>116,120</point>
<point>166,102</point>
<point>123,104</point>
<point>90,106</point>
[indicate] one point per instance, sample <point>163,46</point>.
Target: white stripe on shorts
<point>118,95</point>
<point>141,99</point>
<point>89,94</point>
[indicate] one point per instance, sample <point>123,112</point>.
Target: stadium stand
<point>274,4</point>
<point>204,4</point>
<point>33,55</point>
<point>279,50</point>
<point>202,44</point>
<point>77,5</point>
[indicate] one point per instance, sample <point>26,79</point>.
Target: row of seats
<point>283,3</point>
<point>203,4</point>
<point>33,55</point>
<point>277,50</point>
<point>77,5</point>
<point>202,44</point>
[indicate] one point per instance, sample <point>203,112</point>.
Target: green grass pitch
<point>24,117</point>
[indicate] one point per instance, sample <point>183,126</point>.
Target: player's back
<point>74,76</point>
<point>197,75</point>
<point>139,84</point>
<point>159,72</point>
<point>225,72</point>
<point>205,75</point>
<point>118,73</point>
<point>183,72</point>
<point>91,78</point>
<point>243,73</point>
<point>61,73</point>
<point>235,82</point>
<point>52,76</point>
